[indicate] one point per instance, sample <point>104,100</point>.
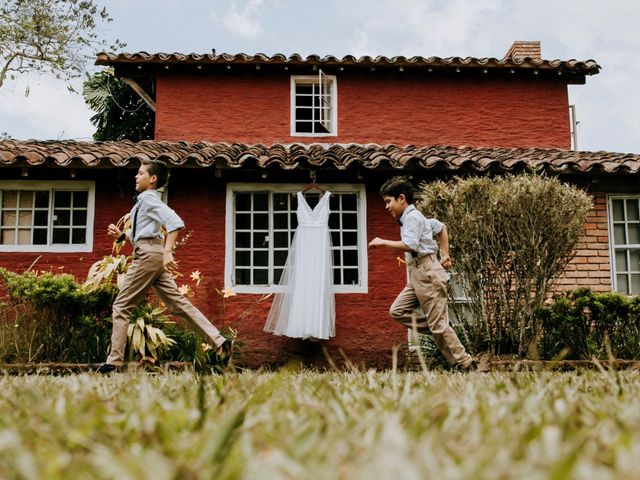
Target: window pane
<point>349,202</point>
<point>79,218</point>
<point>24,236</point>
<point>618,210</point>
<point>277,275</point>
<point>260,276</point>
<point>335,239</point>
<point>281,201</point>
<point>260,240</point>
<point>42,199</point>
<point>9,199</point>
<point>243,239</point>
<point>634,233</point>
<point>62,217</point>
<point>621,261</point>
<point>62,199</point>
<point>336,258</point>
<point>337,276</point>
<point>243,276</point>
<point>635,284</point>
<point>623,284</point>
<point>243,202</point>
<point>79,236</point>
<point>280,239</point>
<point>304,100</point>
<point>280,221</point>
<point>304,114</point>
<point>619,234</point>
<point>261,202</point>
<point>25,219</point>
<point>350,221</point>
<point>334,221</point>
<point>350,257</point>
<point>9,219</point>
<point>350,239</point>
<point>260,221</point>
<point>8,236</point>
<point>80,199</point>
<point>40,236</point>
<point>243,258</point>
<point>302,88</point>
<point>41,218</point>
<point>634,263</point>
<point>304,127</point>
<point>60,235</point>
<point>280,257</point>
<point>261,258</point>
<point>632,210</point>
<point>350,276</point>
<point>243,221</point>
<point>26,199</point>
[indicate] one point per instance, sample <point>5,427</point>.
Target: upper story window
<point>314,105</point>
<point>52,216</point>
<point>261,221</point>
<point>624,239</point>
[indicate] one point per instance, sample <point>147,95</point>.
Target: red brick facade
<point>591,267</point>
<point>372,108</point>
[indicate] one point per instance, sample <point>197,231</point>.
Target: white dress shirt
<point>150,213</point>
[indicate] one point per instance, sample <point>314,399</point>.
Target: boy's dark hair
<point>159,169</point>
<point>397,185</point>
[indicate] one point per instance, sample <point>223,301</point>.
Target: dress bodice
<point>313,216</point>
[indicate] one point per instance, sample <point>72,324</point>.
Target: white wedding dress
<point>305,308</point>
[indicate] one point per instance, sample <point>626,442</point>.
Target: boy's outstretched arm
<point>392,244</point>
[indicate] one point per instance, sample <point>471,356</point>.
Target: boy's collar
<point>405,212</point>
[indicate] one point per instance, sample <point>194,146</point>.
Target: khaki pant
<point>427,288</point>
<point>146,271</point>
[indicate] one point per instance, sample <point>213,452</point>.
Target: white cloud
<point>49,112</point>
<point>244,20</point>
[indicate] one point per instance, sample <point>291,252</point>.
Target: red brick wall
<point>372,108</point>
<point>591,267</point>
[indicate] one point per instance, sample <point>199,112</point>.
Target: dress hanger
<point>313,185</point>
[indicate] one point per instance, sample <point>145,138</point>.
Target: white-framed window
<point>624,242</point>
<point>260,223</point>
<point>314,105</point>
<point>52,216</point>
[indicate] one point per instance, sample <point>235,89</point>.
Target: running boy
<point>427,278</point>
<point>152,265</point>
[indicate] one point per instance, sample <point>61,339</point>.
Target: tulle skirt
<point>305,306</point>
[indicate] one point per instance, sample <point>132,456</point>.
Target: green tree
<point>120,113</point>
<point>48,36</point>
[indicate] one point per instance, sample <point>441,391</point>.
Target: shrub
<point>510,238</point>
<point>583,324</point>
<point>47,317</point>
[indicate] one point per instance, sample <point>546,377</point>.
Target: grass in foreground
<point>306,425</point>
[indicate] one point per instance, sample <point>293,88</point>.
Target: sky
<point>607,106</point>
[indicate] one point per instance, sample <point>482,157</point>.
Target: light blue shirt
<point>417,232</point>
<point>152,214</point>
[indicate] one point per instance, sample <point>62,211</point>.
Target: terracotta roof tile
<point>292,156</point>
<point>582,67</point>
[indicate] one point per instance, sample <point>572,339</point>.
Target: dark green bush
<point>583,324</point>
<point>50,318</point>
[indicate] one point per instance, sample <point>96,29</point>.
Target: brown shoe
<point>225,352</point>
<point>468,366</point>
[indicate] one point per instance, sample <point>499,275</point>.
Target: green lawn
<point>306,425</point>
